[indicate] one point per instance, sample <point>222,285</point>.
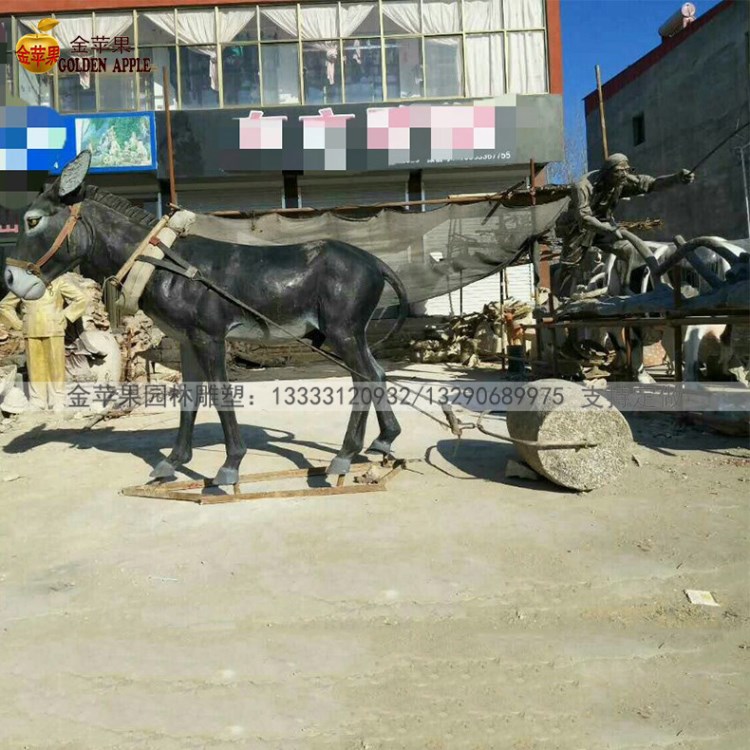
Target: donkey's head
<point>51,240</point>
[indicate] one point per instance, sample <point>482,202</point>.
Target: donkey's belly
<point>248,330</point>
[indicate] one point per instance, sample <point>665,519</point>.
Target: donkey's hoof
<point>163,470</point>
<point>226,476</point>
<point>339,466</point>
<point>382,447</point>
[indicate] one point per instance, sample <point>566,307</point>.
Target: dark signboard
<point>363,137</point>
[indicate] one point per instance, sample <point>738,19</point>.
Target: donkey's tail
<point>403,301</point>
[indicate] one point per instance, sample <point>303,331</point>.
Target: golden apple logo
<point>39,52</point>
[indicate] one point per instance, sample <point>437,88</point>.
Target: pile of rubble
<point>469,339</point>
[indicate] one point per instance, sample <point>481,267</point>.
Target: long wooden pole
<point>602,120</point>
<point>170,146</point>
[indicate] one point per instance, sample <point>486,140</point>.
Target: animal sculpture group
<point>327,290</point>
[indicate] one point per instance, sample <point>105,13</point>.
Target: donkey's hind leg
<point>390,429</point>
<point>182,451</point>
<point>352,350</point>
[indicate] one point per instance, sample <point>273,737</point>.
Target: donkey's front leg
<point>182,452</point>
<point>211,354</point>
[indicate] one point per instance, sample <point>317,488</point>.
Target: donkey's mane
<point>122,205</point>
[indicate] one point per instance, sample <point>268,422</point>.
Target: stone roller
<point>574,443</point>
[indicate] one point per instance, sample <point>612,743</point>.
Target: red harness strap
<point>75,212</point>
<point>36,268</point>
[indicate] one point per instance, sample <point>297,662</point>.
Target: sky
<point>613,34</point>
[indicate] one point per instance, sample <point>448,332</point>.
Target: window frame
<point>261,44</point>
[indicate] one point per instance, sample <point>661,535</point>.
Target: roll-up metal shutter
<point>475,297</point>
<point>467,180</point>
<point>521,282</point>
<point>330,191</point>
<point>258,195</point>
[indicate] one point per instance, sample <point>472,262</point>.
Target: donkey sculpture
<point>325,290</point>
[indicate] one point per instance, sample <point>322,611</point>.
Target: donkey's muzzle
<point>24,279</point>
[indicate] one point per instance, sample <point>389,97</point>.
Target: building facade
<point>670,108</point>
<point>305,104</point>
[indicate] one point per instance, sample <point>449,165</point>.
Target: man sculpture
<point>589,222</point>
<point>43,325</point>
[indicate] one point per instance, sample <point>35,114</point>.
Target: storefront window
<point>363,71</point>
<point>403,62</point>
<point>280,63</point>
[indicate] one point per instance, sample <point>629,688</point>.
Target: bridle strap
<point>75,211</point>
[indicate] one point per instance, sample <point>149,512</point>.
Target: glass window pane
<point>321,72</point>
<point>152,84</point>
<point>77,93</point>
<point>485,65</point>
<point>527,63</point>
<point>196,27</point>
<point>72,30</point>
<point>198,78</point>
<point>155,28</point>
<point>116,90</point>
<point>319,22</point>
<point>5,38</point>
<point>241,74</point>
<point>483,15</point>
<point>280,64</point>
<point>444,64</point>
<point>401,17</point>
<point>278,23</point>
<point>360,19</point>
<point>403,62</point>
<point>34,89</point>
<point>362,70</point>
<point>112,31</point>
<point>528,14</point>
<point>440,16</point>
<point>238,25</point>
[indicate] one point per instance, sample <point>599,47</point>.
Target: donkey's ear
<point>73,175</point>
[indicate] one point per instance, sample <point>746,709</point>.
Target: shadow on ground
<point>148,444</point>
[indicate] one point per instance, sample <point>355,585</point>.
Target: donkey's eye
<point>33,222</point>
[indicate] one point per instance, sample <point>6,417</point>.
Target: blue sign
<point>123,142</point>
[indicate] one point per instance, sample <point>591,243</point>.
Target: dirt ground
<point>456,610</point>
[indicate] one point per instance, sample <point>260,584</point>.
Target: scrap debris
<point>704,598</point>
<point>467,339</point>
